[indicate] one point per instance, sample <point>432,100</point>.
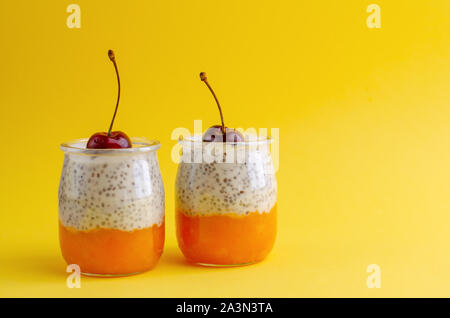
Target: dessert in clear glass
<point>111,202</point>
<point>111,208</point>
<point>225,194</point>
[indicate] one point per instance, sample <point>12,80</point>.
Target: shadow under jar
<point>111,208</point>
<point>225,198</point>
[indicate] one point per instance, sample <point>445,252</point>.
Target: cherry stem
<point>112,57</point>
<point>204,79</point>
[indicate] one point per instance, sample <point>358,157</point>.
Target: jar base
<point>112,275</point>
<point>225,265</point>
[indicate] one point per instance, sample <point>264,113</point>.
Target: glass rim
<point>197,139</point>
<point>140,144</point>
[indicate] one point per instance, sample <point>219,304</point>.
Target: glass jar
<point>111,208</point>
<point>225,195</point>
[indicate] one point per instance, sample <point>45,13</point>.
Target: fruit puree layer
<point>122,192</point>
<point>110,251</point>
<point>226,239</point>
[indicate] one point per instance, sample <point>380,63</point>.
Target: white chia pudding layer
<point>224,188</point>
<point>123,192</point>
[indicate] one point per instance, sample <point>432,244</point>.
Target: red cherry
<point>101,140</point>
<point>215,134</point>
<point>219,133</point>
<point>111,139</point>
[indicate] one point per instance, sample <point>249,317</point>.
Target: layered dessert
<point>226,212</point>
<point>225,196</point>
<point>111,202</point>
<point>111,212</point>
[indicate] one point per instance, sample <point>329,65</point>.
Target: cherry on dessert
<point>214,133</point>
<point>219,133</point>
<point>110,139</point>
<point>101,140</point>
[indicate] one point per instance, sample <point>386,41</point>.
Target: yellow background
<point>364,120</point>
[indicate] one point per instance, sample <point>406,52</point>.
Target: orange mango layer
<point>112,251</point>
<point>226,239</point>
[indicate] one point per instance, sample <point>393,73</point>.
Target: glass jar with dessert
<point>111,203</point>
<point>225,195</point>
